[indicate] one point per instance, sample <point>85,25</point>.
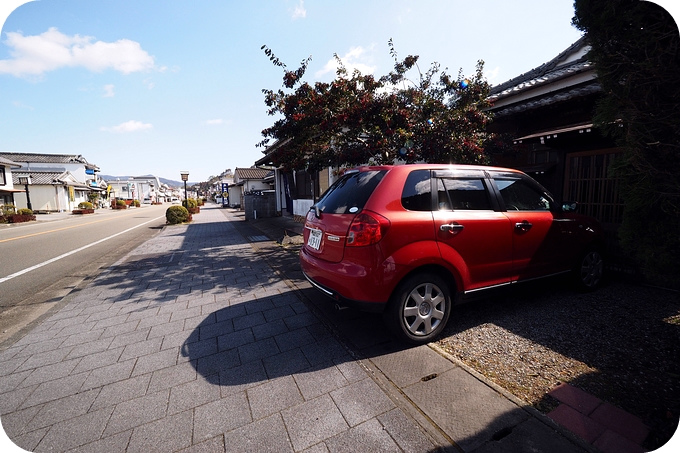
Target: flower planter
<point>83,211</point>
<point>18,218</point>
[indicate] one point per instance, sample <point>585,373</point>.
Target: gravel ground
<point>620,343</point>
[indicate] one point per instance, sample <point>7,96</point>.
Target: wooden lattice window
<point>588,182</point>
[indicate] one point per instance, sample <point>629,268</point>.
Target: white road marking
<point>44,263</point>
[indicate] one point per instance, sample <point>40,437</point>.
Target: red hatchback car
<point>413,240</point>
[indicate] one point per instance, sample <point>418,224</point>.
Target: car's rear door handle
<point>523,226</point>
<point>453,228</point>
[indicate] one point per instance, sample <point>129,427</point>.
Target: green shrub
<point>190,203</point>
<point>85,205</point>
<point>136,203</point>
<point>121,203</point>
<point>177,214</point>
<point>8,209</point>
<point>24,211</point>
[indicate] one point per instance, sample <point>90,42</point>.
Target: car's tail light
<point>366,229</point>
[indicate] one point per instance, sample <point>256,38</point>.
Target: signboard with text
<point>225,194</point>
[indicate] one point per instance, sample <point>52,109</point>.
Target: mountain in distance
<point>169,182</point>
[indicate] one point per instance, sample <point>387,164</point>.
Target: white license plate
<point>314,240</point>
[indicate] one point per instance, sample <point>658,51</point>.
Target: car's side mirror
<point>569,206</point>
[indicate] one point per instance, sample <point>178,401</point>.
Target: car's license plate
<point>314,240</point>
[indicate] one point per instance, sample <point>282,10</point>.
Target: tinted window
<point>417,194</point>
<point>350,193</point>
<point>518,195</point>
<point>463,193</point>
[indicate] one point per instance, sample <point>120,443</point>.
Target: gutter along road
<point>42,262</point>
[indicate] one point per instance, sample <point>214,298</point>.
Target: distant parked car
<point>147,201</point>
<point>174,200</point>
<point>412,240</point>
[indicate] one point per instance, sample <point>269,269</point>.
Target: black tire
<point>419,308</point>
<point>589,270</point>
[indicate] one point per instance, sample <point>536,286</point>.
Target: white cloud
<point>300,12</point>
<point>21,105</point>
<point>215,121</point>
<point>108,91</point>
<point>492,75</point>
<point>35,55</point>
<point>357,58</point>
<point>128,126</point>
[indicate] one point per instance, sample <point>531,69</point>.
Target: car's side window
<point>417,193</point>
<point>463,194</point>
<point>518,195</point>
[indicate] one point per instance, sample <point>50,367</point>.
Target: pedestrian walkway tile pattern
<point>192,343</point>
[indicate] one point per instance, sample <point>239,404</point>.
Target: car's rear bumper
<point>342,302</point>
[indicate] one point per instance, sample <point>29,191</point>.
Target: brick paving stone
<point>294,339</point>
<point>367,437</point>
<point>167,434</point>
<point>273,396</point>
<point>313,421</point>
<point>56,389</point>
<point>75,432</point>
<point>214,363</point>
<point>285,363</point>
<point>270,329</point>
<point>404,432</point>
<point>576,422</point>
<point>265,435</point>
<point>221,416</point>
<point>318,380</point>
<point>361,401</point>
<point>63,409</point>
<point>108,374</point>
<point>156,361</point>
<point>621,422</point>
<point>138,411</point>
<point>611,442</point>
<point>120,391</point>
<point>575,397</point>
<point>258,350</point>
<point>192,394</point>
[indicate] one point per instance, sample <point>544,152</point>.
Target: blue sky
<point>158,86</point>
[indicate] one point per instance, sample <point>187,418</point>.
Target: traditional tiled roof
<point>8,163</point>
<point>570,70</point>
<point>49,178</point>
<point>242,174</point>
<point>39,177</point>
<point>47,158</point>
<point>545,72</point>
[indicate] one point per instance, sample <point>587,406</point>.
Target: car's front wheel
<point>420,308</point>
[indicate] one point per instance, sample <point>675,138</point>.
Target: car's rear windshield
<point>349,194</point>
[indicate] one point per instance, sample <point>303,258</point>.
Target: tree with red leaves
<point>359,119</point>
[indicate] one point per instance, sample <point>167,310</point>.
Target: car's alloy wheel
<point>591,270</point>
<point>420,308</point>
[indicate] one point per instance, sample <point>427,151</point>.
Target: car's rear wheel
<point>590,270</point>
<point>420,308</point>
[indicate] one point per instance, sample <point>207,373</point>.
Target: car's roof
<point>410,167</point>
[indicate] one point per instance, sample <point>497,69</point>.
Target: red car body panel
<point>473,248</point>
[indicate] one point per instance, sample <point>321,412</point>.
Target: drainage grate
<point>258,238</point>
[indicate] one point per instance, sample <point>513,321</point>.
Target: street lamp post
<point>185,178</point>
<point>26,180</point>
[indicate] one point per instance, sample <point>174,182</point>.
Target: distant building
<point>138,188</point>
<point>57,182</point>
<point>7,189</point>
<point>247,181</point>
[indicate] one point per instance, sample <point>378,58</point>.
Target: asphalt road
<point>42,262</point>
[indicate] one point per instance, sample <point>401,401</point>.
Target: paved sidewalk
<point>206,339</point>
